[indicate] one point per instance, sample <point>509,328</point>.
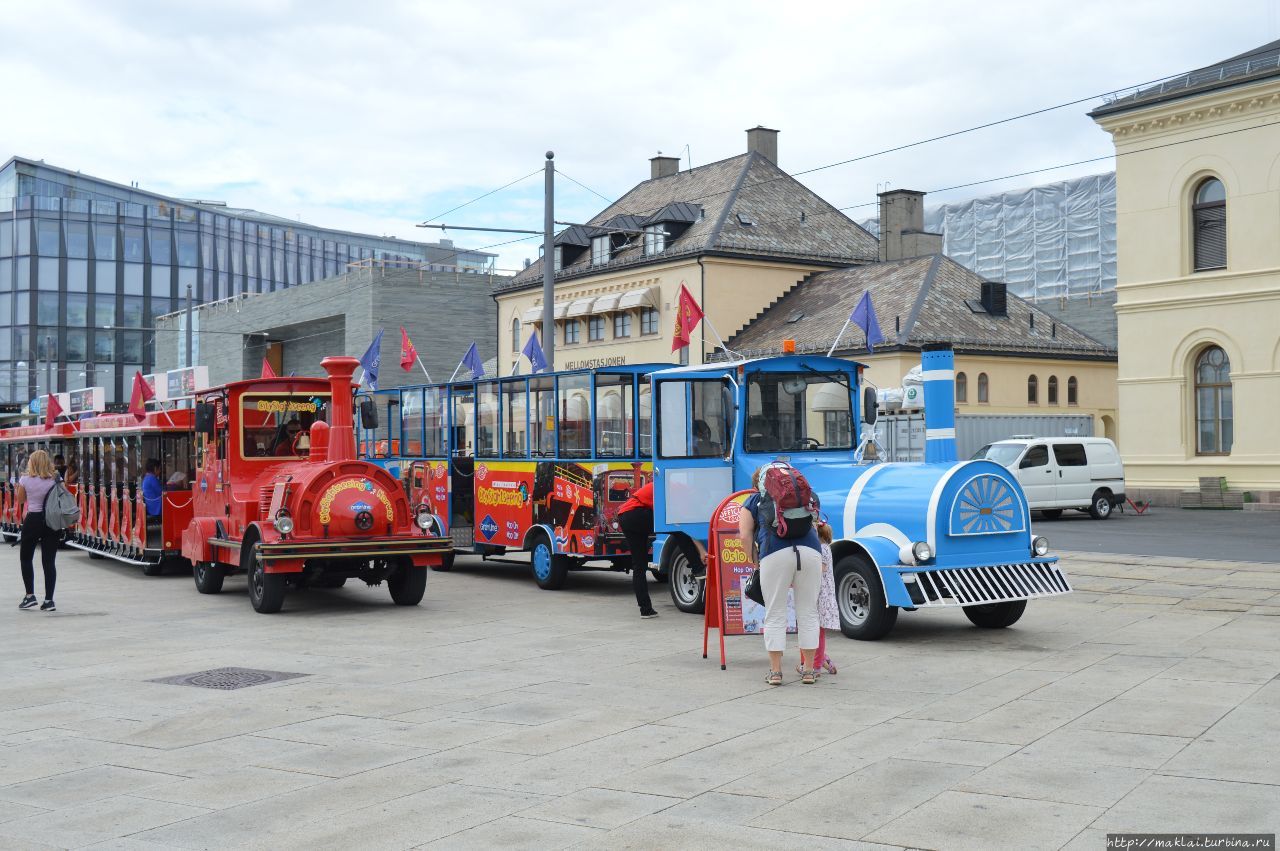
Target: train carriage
<point>16,444</point>
<point>528,463</point>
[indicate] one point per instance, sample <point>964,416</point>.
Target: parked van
<point>1058,473</point>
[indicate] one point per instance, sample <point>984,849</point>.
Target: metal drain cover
<point>227,679</point>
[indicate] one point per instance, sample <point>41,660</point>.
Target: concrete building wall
<point>1168,313</point>
<point>442,312</point>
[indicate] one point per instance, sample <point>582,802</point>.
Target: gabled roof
<point>1257,64</point>
<point>917,301</point>
<point>749,185</point>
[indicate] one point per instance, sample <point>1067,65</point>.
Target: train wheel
<point>408,583</point>
<point>446,563</point>
<point>153,568</point>
<point>859,596</point>
<point>208,577</point>
<point>266,590</point>
<point>549,569</point>
<point>996,615</point>
<point>95,555</point>
<point>688,592</point>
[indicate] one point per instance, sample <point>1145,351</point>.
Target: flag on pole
<point>408,354</point>
<point>864,316</point>
<point>533,351</point>
<point>142,393</point>
<point>267,371</point>
<point>688,315</point>
<point>371,360</point>
<point>52,411</point>
<point>471,360</point>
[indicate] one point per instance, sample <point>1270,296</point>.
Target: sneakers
<point>48,606</point>
<point>650,613</point>
<point>28,602</point>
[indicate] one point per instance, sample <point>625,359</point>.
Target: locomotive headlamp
<point>921,551</point>
<point>1039,546</point>
<point>424,519</point>
<point>283,522</point>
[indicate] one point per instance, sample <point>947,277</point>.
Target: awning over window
<point>580,307</point>
<point>606,303</point>
<point>534,314</point>
<point>647,297</point>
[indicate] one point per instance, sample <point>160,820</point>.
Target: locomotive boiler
<point>280,496</point>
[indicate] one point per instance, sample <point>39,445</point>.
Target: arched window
<point>982,388</point>
<point>1053,390</point>
<point>1209,225</point>
<point>1073,395</point>
<point>515,336</point>
<point>962,387</point>
<point>1213,402</point>
<point>1033,390</point>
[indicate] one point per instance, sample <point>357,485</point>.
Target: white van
<point>1058,473</point>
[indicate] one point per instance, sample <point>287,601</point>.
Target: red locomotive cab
<point>280,496</point>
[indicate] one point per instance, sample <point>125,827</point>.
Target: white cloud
<point>374,116</point>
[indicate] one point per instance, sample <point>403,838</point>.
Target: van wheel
<point>688,592</point>
<point>1100,508</point>
<point>208,577</point>
<point>266,590</point>
<point>996,615</point>
<point>1051,513</point>
<point>408,583</point>
<point>549,569</point>
<point>859,596</point>
<point>446,564</point>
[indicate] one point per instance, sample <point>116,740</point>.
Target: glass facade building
<point>86,265</point>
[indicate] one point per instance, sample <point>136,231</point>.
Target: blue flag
<point>371,360</point>
<point>864,316</point>
<point>471,360</point>
<point>533,351</point>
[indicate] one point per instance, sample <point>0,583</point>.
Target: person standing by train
<point>33,487</point>
<point>635,519</point>
<point>789,557</point>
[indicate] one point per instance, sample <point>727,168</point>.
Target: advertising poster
<point>740,615</point>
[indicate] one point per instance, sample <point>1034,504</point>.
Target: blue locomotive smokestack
<point>937,365</point>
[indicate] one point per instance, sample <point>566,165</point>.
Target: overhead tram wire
<point>586,187</point>
<point>485,195</point>
<point>950,135</point>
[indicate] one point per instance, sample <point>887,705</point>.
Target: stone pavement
<point>497,714</point>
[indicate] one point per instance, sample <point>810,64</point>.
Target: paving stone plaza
<point>497,714</point>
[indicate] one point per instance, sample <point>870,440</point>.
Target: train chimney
<point>342,433</point>
<point>937,368</point>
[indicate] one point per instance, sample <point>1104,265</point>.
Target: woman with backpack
<point>779,518</point>
<point>33,488</point>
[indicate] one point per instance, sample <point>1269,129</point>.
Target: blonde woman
<point>33,487</point>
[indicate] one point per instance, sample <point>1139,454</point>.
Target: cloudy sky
<point>376,116</point>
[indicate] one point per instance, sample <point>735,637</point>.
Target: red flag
<point>141,393</point>
<point>53,410</point>
<point>688,315</point>
<point>267,371</point>
<point>408,354</point>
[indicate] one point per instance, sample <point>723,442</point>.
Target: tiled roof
<point>745,188</point>
<point>917,301</point>
<point>1257,64</point>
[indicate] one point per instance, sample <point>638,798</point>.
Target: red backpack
<point>787,503</point>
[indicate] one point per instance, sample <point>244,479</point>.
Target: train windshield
<point>798,410</point>
<point>278,424</point>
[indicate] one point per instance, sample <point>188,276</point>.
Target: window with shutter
<point>1209,226</point>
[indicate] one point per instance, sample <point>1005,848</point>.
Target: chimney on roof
<point>902,233</point>
<point>661,166</point>
<point>764,142</point>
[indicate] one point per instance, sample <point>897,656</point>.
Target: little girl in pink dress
<point>828,612</point>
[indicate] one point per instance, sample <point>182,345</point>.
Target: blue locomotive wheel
<point>860,598</point>
<point>549,569</point>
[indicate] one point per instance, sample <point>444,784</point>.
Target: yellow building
<point>1198,234</point>
<point>1011,357</point>
<point>738,233</point>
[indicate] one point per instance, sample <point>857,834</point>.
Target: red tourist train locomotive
<point>280,495</point>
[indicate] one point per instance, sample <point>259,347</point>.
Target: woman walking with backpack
<point>33,489</point>
<point>779,518</point>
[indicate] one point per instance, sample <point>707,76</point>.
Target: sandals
<point>808,676</point>
<point>829,666</point>
<point>773,678</point>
